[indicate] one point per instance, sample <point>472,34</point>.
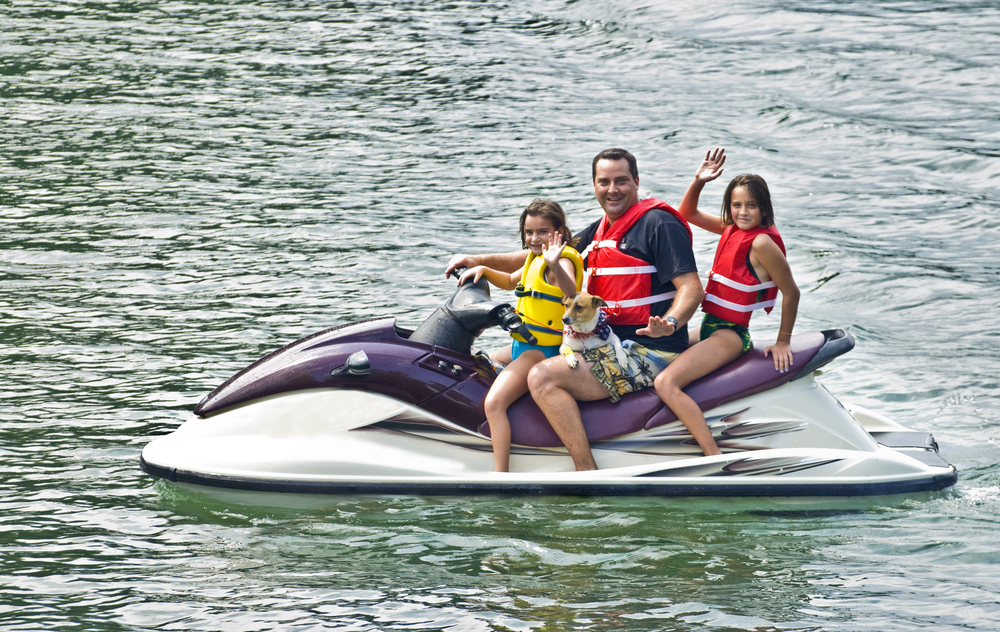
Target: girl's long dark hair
<point>758,189</point>
<point>546,209</point>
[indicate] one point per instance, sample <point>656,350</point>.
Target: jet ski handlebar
<point>511,321</point>
<point>465,316</point>
<point>458,272</point>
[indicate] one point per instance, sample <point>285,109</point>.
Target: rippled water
<point>186,186</point>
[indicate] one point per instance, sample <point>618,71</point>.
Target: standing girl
<point>551,271</point>
<point>749,269</point>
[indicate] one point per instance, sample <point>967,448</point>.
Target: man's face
<point>615,188</point>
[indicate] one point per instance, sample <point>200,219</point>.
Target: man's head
<point>616,181</point>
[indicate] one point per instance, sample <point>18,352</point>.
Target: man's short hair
<point>615,154</point>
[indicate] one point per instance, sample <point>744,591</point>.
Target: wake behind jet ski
<point>372,407</point>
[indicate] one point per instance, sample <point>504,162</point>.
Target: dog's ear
<point>566,301</point>
<point>597,301</point>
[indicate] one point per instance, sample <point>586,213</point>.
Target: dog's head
<point>581,311</point>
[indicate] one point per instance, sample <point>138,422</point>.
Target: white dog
<point>587,328</point>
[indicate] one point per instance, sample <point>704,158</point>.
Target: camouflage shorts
<point>643,367</point>
<point>710,324</point>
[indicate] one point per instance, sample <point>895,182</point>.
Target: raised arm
<point>710,169</point>
<point>501,261</point>
<point>769,256</point>
<point>562,269</point>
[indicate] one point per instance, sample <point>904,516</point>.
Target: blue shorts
<point>519,347</point>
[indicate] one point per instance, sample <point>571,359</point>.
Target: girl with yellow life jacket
<point>552,270</point>
<point>749,270</point>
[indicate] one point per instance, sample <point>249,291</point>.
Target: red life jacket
<point>732,292</point>
<point>623,281</point>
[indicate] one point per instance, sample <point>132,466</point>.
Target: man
<point>639,259</point>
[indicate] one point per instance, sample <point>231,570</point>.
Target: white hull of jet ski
<point>795,440</point>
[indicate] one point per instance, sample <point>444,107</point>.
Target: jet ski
<point>374,408</point>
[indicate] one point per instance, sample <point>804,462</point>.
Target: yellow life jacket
<point>540,303</point>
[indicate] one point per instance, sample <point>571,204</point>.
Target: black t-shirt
<point>660,239</point>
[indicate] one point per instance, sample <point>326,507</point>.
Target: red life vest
<point>623,281</point>
<point>732,292</point>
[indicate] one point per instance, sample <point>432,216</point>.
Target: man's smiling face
<point>616,190</point>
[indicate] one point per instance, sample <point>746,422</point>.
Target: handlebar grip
<point>511,321</point>
<point>527,335</point>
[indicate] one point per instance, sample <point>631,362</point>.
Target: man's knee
<point>547,375</point>
<point>539,377</point>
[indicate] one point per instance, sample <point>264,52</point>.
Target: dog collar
<point>602,330</point>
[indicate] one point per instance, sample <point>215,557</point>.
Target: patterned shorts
<point>712,323</point>
<point>643,366</point>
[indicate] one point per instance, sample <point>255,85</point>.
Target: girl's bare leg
<point>509,385</point>
<point>502,355</point>
<point>719,349</point>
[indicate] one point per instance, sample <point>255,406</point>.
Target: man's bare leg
<point>556,389</point>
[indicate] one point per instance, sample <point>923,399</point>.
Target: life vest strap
<point>736,285</point>
<point>622,270</point>
<point>543,330</point>
<point>635,302</point>
<point>536,294</point>
<point>596,245</point>
<point>736,307</point>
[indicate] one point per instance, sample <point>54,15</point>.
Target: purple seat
<point>749,375</point>
<point>752,373</point>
